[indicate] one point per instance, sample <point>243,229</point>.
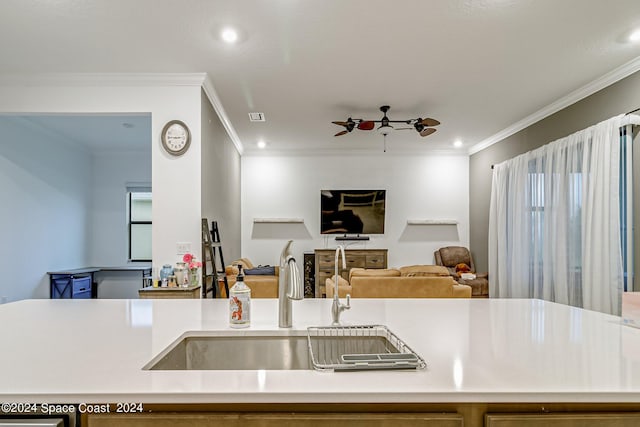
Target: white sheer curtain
<point>554,225</point>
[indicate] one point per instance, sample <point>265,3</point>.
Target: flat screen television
<point>352,211</point>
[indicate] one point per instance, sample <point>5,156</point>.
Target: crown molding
<point>103,79</point>
<point>210,91</point>
<point>589,89</point>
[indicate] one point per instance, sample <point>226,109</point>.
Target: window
<point>535,200</point>
<point>139,221</point>
<point>554,201</point>
<point>626,206</point>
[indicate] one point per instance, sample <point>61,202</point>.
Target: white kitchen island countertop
<point>477,350</point>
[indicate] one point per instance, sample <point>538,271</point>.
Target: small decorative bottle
<point>166,271</point>
<point>181,271</point>
<point>239,303</point>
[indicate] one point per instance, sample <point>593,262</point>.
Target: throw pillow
<point>341,280</point>
<point>423,270</point>
<point>231,270</point>
<point>261,270</point>
<point>462,268</point>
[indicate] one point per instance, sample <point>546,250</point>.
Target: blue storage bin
<point>71,287</point>
<point>81,287</point>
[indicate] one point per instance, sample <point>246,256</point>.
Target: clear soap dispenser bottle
<point>239,302</point>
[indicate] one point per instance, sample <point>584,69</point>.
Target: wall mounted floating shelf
<point>278,221</point>
<point>432,222</point>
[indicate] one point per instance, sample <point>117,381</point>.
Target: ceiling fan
<point>423,126</point>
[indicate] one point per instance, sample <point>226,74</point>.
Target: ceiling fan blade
<point>404,128</point>
<point>430,122</point>
<point>427,131</point>
<point>344,132</point>
<point>366,125</point>
<point>345,124</point>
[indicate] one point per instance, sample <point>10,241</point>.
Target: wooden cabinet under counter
<point>467,414</point>
<point>356,258</point>
<point>257,419</point>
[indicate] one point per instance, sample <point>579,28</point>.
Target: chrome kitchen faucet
<point>289,286</point>
<point>337,307</point>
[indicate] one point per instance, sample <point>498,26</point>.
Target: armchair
<point>450,256</point>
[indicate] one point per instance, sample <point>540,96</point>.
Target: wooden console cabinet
<point>363,258</point>
<point>180,292</point>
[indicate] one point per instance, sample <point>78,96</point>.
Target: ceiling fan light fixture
<point>385,129</point>
<point>424,127</point>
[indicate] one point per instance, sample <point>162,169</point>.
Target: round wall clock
<point>176,137</point>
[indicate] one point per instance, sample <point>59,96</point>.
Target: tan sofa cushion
<point>341,280</point>
<point>261,286</point>
<point>423,270</point>
<point>462,291</point>
<point>343,287</point>
<point>408,287</point>
<point>373,272</point>
<point>232,270</point>
<point>246,263</point>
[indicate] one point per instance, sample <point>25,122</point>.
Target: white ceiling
<point>478,66</point>
<point>93,132</point>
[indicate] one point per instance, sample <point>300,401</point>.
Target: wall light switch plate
<point>183,248</point>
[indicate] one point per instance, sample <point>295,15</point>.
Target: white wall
<point>44,214</point>
<point>418,187</point>
<point>112,172</point>
<point>175,180</point>
<point>220,181</point>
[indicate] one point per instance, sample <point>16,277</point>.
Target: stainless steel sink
<point>336,348</point>
<point>196,351</point>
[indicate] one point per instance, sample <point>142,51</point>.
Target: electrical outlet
<point>183,248</point>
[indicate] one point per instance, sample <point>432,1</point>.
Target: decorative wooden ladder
<point>211,269</point>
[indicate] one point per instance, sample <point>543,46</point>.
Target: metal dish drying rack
<point>358,348</point>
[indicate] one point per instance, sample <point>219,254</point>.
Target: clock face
<point>176,137</point>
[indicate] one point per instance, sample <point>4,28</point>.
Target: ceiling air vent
<point>256,117</point>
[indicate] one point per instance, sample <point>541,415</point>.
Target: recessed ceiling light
<point>261,144</point>
<point>457,143</point>
<point>229,35</point>
<point>635,36</point>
